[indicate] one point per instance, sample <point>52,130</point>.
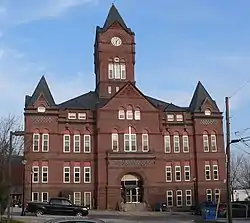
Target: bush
<point>4,220</point>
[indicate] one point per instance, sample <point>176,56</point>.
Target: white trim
<point>168,196</point>
<point>88,137</point>
<point>71,115</point>
<point>169,171</point>
<point>209,194</point>
<point>42,196</point>
<point>32,197</point>
<point>79,200</point>
<point>179,194</point>
<point>130,135</point>
<point>87,169</point>
<point>43,140</point>
<point>216,168</point>
<point>188,195</point>
<point>179,118</point>
<point>121,114</point>
<point>185,140</point>
<point>167,143</point>
<point>38,142</point>
<point>79,143</point>
<point>205,139</point>
<point>85,198</point>
<point>115,137</point>
<point>170,117</point>
<point>213,143</point>
<point>175,173</point>
<point>177,144</point>
<point>35,172</point>
<point>137,114</point>
<point>146,144</point>
<point>207,168</point>
<point>82,116</point>
<point>64,140</point>
<point>189,174</point>
<point>77,169</point>
<point>45,171</point>
<point>64,171</point>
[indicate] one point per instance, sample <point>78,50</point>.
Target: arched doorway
<point>132,188</point>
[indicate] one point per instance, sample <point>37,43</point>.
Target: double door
<point>132,195</point>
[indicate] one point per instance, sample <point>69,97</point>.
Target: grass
<point>4,220</point>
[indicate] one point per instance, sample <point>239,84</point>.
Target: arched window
<point>205,142</point>
<point>129,112</point>
<point>66,141</point>
<point>167,142</point>
<point>45,140</point>
<point>117,69</point>
<point>121,113</point>
<point>213,142</point>
<point>130,143</point>
<point>115,141</point>
<point>137,114</point>
<point>145,142</point>
<point>185,142</point>
<point>36,140</point>
<point>77,142</point>
<point>207,111</point>
<point>176,142</point>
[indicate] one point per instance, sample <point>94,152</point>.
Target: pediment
<point>130,92</point>
<point>207,103</point>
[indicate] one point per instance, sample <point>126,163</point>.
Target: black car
<point>57,206</point>
<point>74,220</point>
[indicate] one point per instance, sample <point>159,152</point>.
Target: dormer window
<point>117,69</point>
<point>179,118</point>
<point>82,116</point>
<point>71,115</point>
<point>207,111</point>
<point>41,109</point>
<point>170,117</point>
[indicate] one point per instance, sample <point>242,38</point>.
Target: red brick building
<point>116,144</point>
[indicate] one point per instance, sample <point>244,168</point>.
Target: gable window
<point>130,144</point>
<point>44,174</point>
<point>145,147</point>
<point>66,143</point>
<point>36,140</point>
<point>168,170</point>
<point>179,118</point>
<point>121,113</point>
<point>213,143</point>
<point>137,114</point>
<point>66,174</point>
<point>41,109</point>
<point>167,144</point>
<point>77,142</point>
<point>207,111</point>
<point>170,117</point>
<point>205,142</point>
<point>82,116</point>
<point>115,142</point>
<point>45,142</point>
<point>129,113</point>
<point>176,143</point>
<point>87,146</point>
<point>35,174</point>
<point>109,90</point>
<point>177,173</point>
<point>185,143</point>
<point>71,115</point>
<point>207,172</point>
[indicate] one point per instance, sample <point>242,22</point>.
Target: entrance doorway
<point>131,189</point>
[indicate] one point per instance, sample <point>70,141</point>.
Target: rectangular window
<point>130,144</point>
<point>66,143</point>
<point>35,174</point>
<point>77,174</point>
<point>66,174</point>
<point>217,195</point>
<point>169,198</point>
<point>115,142</point>
<point>168,174</point>
<point>87,199</point>
<point>45,142</point>
<point>185,144</point>
<point>176,144</point>
<point>179,118</point>
<point>123,71</point>
<point>207,172</point>
<point>188,198</point>
<point>177,173</point>
<point>209,195</point>
<point>111,71</point>
<point>117,88</point>
<point>71,115</point>
<point>77,143</point>
<point>82,116</point>
<point>36,141</point>
<point>145,147</point>
<point>215,172</point>
<point>179,198</point>
<point>117,71</point>
<point>109,90</point>
<point>205,143</point>
<point>213,143</point>
<point>170,117</point>
<point>45,196</point>
<point>187,173</point>
<point>126,143</point>
<point>87,144</point>
<point>77,198</point>
<point>45,174</point>
<point>35,196</point>
<point>87,175</point>
<point>167,144</point>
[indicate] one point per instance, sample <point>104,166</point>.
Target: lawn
<point>4,220</point>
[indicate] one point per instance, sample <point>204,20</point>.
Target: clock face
<point>116,41</point>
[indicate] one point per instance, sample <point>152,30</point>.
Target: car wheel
<point>39,213</point>
<point>79,214</point>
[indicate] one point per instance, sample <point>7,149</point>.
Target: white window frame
<point>170,117</point>
<point>77,140</point>
<point>145,142</point>
<point>129,114</point>
<point>64,143</point>
<point>42,196</point>
<point>71,115</point>
<point>109,90</point>
<point>207,111</point>
<point>179,118</point>
<point>117,69</point>
<point>45,170</point>
<point>87,170</point>
<point>179,195</point>
<point>187,170</point>
<point>82,116</point>
<point>213,143</point>
<point>77,170</point>
<point>66,169</point>
<point>115,142</point>
<point>44,135</point>
<point>167,144</point>
<point>78,200</point>
<point>216,193</point>
<point>188,194</point>
<point>87,138</point>
<point>205,139</point>
<point>177,144</point>
<point>216,169</point>
<point>207,170</point>
<point>85,198</point>
<point>130,136</point>
<point>35,171</point>
<point>169,194</point>
<point>137,114</point>
<point>111,71</point>
<point>123,71</point>
<point>177,171</point>
<point>168,171</point>
<point>121,114</point>
<point>185,141</point>
<point>33,195</point>
<point>209,192</point>
<point>37,140</point>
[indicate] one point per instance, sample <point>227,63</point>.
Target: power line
<point>237,147</point>
<point>240,87</point>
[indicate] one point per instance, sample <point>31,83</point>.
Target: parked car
<point>56,206</point>
<point>74,220</point>
<point>239,210</point>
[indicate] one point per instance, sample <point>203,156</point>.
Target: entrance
<point>131,189</point>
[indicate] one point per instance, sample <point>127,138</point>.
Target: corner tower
<point>114,54</point>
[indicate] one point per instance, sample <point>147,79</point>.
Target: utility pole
<point>228,142</point>
<point>9,176</point>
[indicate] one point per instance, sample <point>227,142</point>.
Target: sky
<point>178,43</point>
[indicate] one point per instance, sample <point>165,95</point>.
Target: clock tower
<point>114,55</point>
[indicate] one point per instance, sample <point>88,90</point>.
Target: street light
<point>24,162</point>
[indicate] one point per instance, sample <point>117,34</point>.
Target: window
<point>169,198</point>
<point>188,198</point>
<point>87,199</point>
<point>215,172</point>
<point>117,88</point>
<point>117,69</point>
<point>35,174</point>
<point>82,115</point>
<point>170,117</point>
<point>71,115</point>
<point>35,196</point>
<point>66,143</point>
<point>66,174</point>
<point>41,109</point>
<point>121,114</point>
<point>145,147</point>
<point>36,140</point>
<point>168,174</point>
<point>217,195</point>
<point>87,146</point>
<point>77,142</point>
<point>176,144</point>
<point>187,173</point>
<point>123,71</point>
<point>209,195</point>
<point>179,118</point>
<point>167,144</point>
<point>45,196</point>
<point>177,173</point>
<point>45,142</point>
<point>207,112</point>
<point>44,174</point>
<point>111,71</point>
<point>205,143</point>
<point>179,198</point>
<point>207,172</point>
<point>77,174</point>
<point>213,143</point>
<point>87,175</point>
<point>109,90</point>
<point>129,113</point>
<point>115,142</point>
<point>130,144</point>
<point>77,198</point>
<point>137,114</point>
<point>185,144</point>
